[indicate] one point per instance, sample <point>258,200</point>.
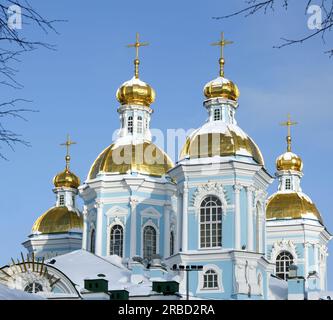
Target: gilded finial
<point>288,124</point>
<point>137,45</point>
<point>222,43</point>
<point>68,143</point>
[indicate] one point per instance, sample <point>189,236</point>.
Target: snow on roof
<point>278,289</point>
<point>13,294</point>
<point>80,265</point>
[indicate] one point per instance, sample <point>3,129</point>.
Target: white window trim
<point>114,223</point>
<point>91,228</point>
<point>152,224</point>
<point>201,289</point>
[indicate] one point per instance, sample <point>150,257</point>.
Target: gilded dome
<point>136,92</point>
<point>58,220</point>
<point>145,158</point>
<point>220,139</point>
<point>221,88</point>
<point>294,205</point>
<point>66,179</point>
<point>289,161</point>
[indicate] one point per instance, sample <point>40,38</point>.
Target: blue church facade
<point>210,209</point>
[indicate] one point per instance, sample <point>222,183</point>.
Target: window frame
<point>210,229</point>
<point>282,265</point>
<point>112,251</point>
<point>154,244</point>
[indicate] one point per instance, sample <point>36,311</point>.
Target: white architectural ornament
<point>205,190</point>
<point>283,245</point>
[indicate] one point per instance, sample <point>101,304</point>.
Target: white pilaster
<point>99,228</point>
<point>237,189</point>
<point>85,228</point>
<point>167,230</point>
<point>250,190</point>
<point>185,219</point>
<point>306,260</point>
<point>179,221</point>
<point>133,204</point>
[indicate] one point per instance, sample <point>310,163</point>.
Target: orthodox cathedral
<point>202,228</point>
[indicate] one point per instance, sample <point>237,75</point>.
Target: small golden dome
<point>66,179</point>
<point>145,158</point>
<point>289,161</point>
<point>224,140</point>
<point>58,220</point>
<point>294,205</point>
<point>221,88</point>
<point>136,92</point>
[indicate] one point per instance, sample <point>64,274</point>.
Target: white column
<point>85,228</point>
<point>179,221</point>
<point>306,262</point>
<point>237,217</point>
<point>99,228</point>
<point>185,219</point>
<point>133,204</point>
<point>166,230</point>
<point>315,254</point>
<point>250,190</point>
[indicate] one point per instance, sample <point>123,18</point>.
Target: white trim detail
<point>152,224</point>
<point>283,245</point>
<point>150,212</point>
<point>201,289</point>
<point>115,222</point>
<point>209,189</point>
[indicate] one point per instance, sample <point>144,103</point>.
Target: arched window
<point>130,124</point>
<point>210,280</point>
<point>92,241</point>
<point>62,200</point>
<point>33,287</point>
<point>211,222</point>
<point>139,124</point>
<point>149,242</point>
<point>116,240</point>
<point>283,262</point>
<point>217,114</point>
<point>172,243</point>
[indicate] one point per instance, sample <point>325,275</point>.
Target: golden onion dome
<point>66,179</point>
<point>289,161</point>
<point>58,220</point>
<point>136,92</point>
<point>221,139</point>
<point>221,88</point>
<point>144,158</point>
<point>291,205</point>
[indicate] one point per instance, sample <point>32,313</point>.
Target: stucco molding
<point>283,245</point>
<point>204,190</point>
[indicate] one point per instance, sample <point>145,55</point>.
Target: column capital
<point>251,188</point>
<point>133,202</point>
<point>238,187</point>
<point>99,204</point>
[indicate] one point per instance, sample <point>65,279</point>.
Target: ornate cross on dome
<point>137,45</point>
<point>68,143</point>
<point>222,43</point>
<point>288,124</point>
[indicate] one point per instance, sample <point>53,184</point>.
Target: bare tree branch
<point>13,45</point>
<point>253,7</point>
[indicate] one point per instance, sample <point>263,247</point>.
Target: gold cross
<point>137,45</point>
<point>222,43</point>
<point>288,124</point>
<point>68,143</point>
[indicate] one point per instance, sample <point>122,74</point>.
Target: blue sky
<point>74,90</point>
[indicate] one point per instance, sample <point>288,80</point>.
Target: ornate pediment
<point>204,190</point>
